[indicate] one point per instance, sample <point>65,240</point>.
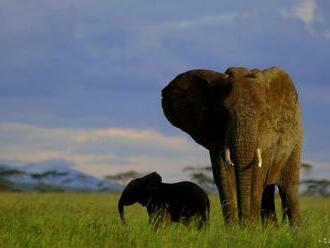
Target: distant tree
<point>124,177</point>
<point>316,187</point>
<point>5,172</point>
<point>202,176</point>
<point>306,168</point>
<point>49,174</point>
<point>3,184</point>
<point>43,175</point>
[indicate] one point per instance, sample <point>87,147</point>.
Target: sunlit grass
<point>91,220</point>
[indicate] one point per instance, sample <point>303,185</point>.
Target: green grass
<point>91,220</point>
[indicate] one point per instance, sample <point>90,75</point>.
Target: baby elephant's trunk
<point>121,209</point>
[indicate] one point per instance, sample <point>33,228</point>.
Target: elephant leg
<point>289,188</point>
<point>160,218</point>
<point>202,219</point>
<point>290,205</point>
<point>224,177</point>
<point>284,204</point>
<point>268,211</point>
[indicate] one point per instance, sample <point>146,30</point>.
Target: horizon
<point>80,81</point>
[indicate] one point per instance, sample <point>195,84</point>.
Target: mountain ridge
<point>53,175</point>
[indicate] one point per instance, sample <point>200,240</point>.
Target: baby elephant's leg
<point>160,218</point>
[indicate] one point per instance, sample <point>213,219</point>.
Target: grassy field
<point>91,220</point>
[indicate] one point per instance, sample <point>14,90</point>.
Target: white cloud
<point>139,136</point>
<point>310,14</point>
<point>204,20</point>
<point>100,151</point>
<point>305,11</point>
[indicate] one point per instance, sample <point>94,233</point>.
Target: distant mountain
<point>53,175</point>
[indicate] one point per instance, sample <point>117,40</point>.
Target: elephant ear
<point>194,102</point>
<point>151,182</point>
<point>219,84</point>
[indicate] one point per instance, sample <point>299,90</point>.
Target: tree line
<point>202,175</point>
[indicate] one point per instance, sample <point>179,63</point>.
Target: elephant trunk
<point>128,197</point>
<point>244,193</point>
<point>244,151</point>
<point>121,205</point>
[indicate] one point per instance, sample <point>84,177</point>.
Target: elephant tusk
<point>259,159</point>
<point>227,157</point>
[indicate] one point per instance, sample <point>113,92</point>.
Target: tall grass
<point>91,220</point>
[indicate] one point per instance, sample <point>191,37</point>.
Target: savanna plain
<point>91,220</point>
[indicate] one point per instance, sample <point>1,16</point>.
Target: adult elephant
<point>250,121</point>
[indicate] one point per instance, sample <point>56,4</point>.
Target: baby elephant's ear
<point>152,178</point>
<point>151,181</point>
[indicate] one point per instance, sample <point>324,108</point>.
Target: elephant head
<point>139,190</point>
<point>222,112</point>
<point>213,108</point>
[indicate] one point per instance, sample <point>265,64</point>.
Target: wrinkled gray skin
<point>166,202</point>
<point>234,115</point>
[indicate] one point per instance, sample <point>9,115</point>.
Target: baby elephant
<point>178,202</point>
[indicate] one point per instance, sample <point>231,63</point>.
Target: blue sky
<point>80,80</point>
